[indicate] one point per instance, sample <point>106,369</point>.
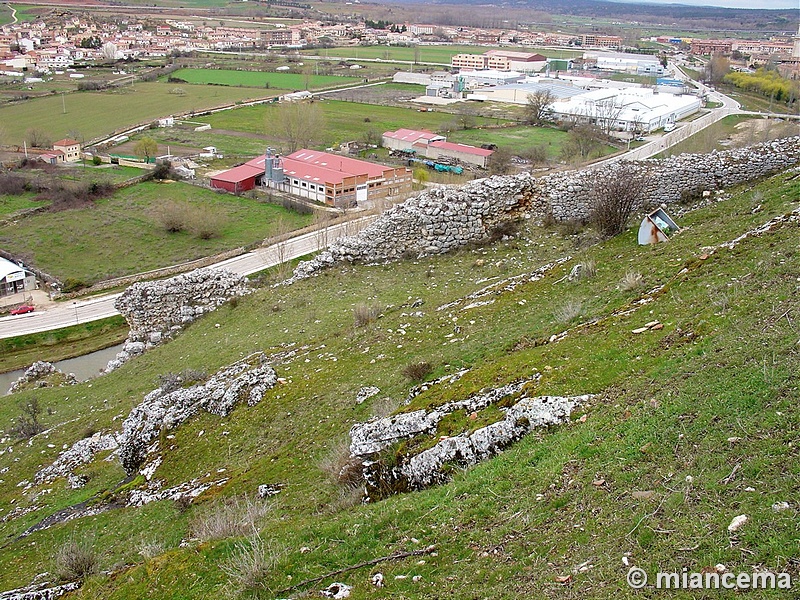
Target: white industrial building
<point>630,109</point>
<point>639,64</point>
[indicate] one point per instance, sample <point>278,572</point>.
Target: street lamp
<point>75,305</point>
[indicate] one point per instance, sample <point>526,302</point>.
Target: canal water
<point>84,367</point>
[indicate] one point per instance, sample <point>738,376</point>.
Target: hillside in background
<point>691,424</point>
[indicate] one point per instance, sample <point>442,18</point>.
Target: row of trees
<point>767,83</point>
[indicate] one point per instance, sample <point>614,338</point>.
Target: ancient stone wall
<point>443,218</point>
<point>156,310</point>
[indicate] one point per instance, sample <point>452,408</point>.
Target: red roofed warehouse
<point>238,179</point>
<point>329,178</point>
<point>433,146</point>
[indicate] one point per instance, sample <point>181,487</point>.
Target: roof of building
<point>7,268</point>
<point>310,161</point>
<point>412,135</point>
<point>454,147</point>
<point>66,142</point>
<point>238,174</point>
<point>517,56</point>
<point>559,91</point>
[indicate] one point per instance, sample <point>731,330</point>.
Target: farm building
<point>238,179</point>
<point>14,279</point>
<point>328,178</point>
<point>70,149</point>
<point>461,152</point>
<point>433,146</point>
<point>409,139</point>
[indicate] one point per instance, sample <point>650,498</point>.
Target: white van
<point>669,127</point>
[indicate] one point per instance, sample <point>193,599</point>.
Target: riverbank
<point>60,344</point>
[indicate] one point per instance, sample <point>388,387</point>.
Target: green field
<point>518,139</point>
<point>691,425</point>
<point>344,121</point>
<point>11,204</point>
<point>121,235</point>
<point>94,114</point>
<point>426,54</point>
<point>283,81</point>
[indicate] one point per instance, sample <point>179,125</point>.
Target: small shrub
<point>615,193</point>
<point>249,564</point>
<point>588,270</point>
<point>27,423</point>
<point>631,281</point>
<point>571,227</point>
<point>418,371</point>
<point>568,311</point>
<point>149,549</point>
<point>12,185</point>
<point>340,467</point>
<point>228,518</point>
<point>207,222</point>
<point>364,315</point>
<point>173,217</point>
<point>72,284</point>
<point>75,560</point>
<point>96,160</point>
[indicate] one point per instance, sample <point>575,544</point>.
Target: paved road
<point>83,311</point>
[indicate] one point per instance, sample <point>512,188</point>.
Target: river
<point>84,367</point>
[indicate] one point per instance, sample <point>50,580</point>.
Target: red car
<point>21,310</point>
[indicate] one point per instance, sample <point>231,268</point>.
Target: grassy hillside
<point>691,425</point>
<point>126,233</point>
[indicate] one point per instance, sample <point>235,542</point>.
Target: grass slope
<point>121,234</point>
<point>699,420</point>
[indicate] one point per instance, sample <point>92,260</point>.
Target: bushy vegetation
<point>767,83</point>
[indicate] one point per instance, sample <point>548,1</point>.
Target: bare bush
<point>150,548</point>
<point>249,564</point>
<point>417,371</point>
<point>173,217</point>
<point>615,194</point>
<point>207,222</point>
<point>568,311</point>
<point>231,517</point>
<point>75,560</point>
<point>364,315</point>
<point>12,185</point>
<point>631,281</point>
<point>27,423</point>
<point>341,467</point>
<point>588,270</point>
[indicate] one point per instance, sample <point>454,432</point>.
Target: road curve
<point>100,307</point>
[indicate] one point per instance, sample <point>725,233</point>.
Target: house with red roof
<point>70,150</point>
<point>319,176</point>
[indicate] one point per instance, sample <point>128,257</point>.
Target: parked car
<point>21,310</point>
<point>669,127</point>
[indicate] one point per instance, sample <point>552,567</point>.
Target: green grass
<point>726,131</point>
<point>426,54</point>
<point>94,114</point>
<point>121,235</point>
<point>60,344</point>
<point>344,121</point>
<point>283,81</point>
<point>519,139</point>
<point>667,403</point>
<point>12,204</point>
